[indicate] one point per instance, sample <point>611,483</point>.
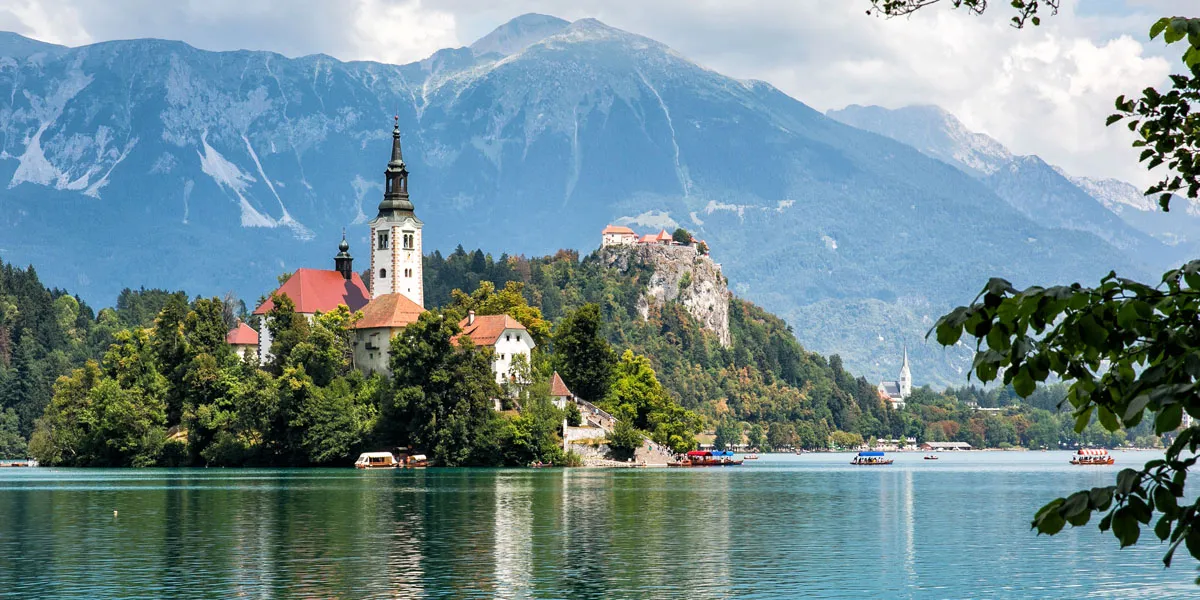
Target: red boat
<point>705,458</point>
<point>1092,456</point>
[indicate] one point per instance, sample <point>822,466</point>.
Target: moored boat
<point>931,457</point>
<point>707,458</point>
<point>376,460</point>
<point>1092,456</point>
<point>750,457</point>
<point>871,458</point>
<point>416,461</point>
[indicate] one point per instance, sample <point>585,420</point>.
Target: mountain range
<point>152,163</point>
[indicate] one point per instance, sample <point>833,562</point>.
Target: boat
<point>870,458</point>
<point>706,458</point>
<point>931,457</point>
<point>1092,456</point>
<point>376,460</point>
<point>750,457</point>
<point>416,461</point>
<point>540,465</point>
<point>19,463</point>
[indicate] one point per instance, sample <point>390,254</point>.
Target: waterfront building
<point>942,446</point>
<point>383,318</point>
<point>616,235</point>
<point>560,395</point>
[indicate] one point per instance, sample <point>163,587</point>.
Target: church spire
<point>395,188</point>
<point>343,262</point>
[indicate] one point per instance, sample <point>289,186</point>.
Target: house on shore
<point>944,446</point>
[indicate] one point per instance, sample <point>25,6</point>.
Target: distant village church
<point>896,392</point>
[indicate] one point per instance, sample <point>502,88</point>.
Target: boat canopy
<point>722,453</point>
<point>418,457</point>
<point>1092,452</point>
<point>699,453</point>
<point>375,455</point>
<point>870,453</point>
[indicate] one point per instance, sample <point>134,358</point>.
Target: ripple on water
<point>784,526</point>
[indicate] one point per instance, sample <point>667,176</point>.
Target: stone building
<point>896,392</point>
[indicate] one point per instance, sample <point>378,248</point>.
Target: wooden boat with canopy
<point>706,458</point>
<point>870,458</point>
<point>1092,456</point>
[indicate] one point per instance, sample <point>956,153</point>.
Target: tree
<point>756,436</point>
<point>287,327</point>
<point>582,356</point>
<point>1129,350</point>
<point>170,350</point>
<point>681,236</point>
<point>729,434</point>
<point>485,300</point>
<point>443,390</point>
<point>781,436</point>
<point>12,445</point>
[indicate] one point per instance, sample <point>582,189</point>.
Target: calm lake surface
<point>784,526</point>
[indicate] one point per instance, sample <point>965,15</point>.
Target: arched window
<point>383,273</point>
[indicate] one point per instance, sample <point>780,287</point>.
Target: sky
<point>1043,90</point>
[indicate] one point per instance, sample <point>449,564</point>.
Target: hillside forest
<point>151,381</point>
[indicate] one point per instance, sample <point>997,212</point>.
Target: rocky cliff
<point>683,275</point>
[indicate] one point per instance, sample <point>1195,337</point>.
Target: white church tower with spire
<point>897,392</point>
<point>905,377</point>
<point>396,235</point>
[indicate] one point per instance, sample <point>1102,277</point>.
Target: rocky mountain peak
<point>518,34</point>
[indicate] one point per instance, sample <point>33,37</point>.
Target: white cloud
<point>1042,90</point>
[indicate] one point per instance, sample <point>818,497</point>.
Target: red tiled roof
<point>389,310</point>
<point>242,335</point>
<point>318,290</point>
<point>648,239</point>
<point>663,235</point>
<point>614,229</point>
<point>488,328</point>
<point>558,388</point>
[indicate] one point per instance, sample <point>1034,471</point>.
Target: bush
<point>574,417</point>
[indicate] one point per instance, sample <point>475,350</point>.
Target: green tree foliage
<point>12,445</point>
<point>1129,350</point>
<point>583,358</point>
<point>682,236</point>
<point>637,396</point>
<point>486,300</point>
<point>729,434</point>
<point>442,389</point>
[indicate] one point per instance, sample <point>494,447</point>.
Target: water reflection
<point>785,527</point>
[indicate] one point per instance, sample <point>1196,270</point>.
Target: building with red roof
<point>383,318</point>
<point>559,393</point>
<point>506,336</point>
<point>314,291</point>
<point>617,235</point>
<point>244,340</point>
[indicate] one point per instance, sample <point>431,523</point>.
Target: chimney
<point>470,317</point>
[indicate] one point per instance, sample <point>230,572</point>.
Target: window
<point>383,240</point>
<point>508,338</point>
<point>518,337</point>
<point>408,240</point>
<point>383,273</point>
<point>501,357</point>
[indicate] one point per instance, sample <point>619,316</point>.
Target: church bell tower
<point>396,234</point>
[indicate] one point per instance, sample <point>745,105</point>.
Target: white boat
<point>376,460</point>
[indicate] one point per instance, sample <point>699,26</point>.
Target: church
<point>896,392</point>
<point>395,296</point>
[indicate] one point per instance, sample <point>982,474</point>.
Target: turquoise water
<point>781,527</point>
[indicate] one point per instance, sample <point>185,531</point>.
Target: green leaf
<point>1136,406</point>
<point>1082,419</point>
<point>1075,503</point>
<point>1101,497</point>
<point>1193,542</point>
<point>1168,418</point>
<point>1125,528</point>
<point>1126,479</point>
<point>1093,333</point>
<point>1162,529</point>
<point>1023,383</point>
<point>1158,27</point>
<point>1164,501</point>
<point>1108,420</point>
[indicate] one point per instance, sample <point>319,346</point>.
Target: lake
<point>783,526</point>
